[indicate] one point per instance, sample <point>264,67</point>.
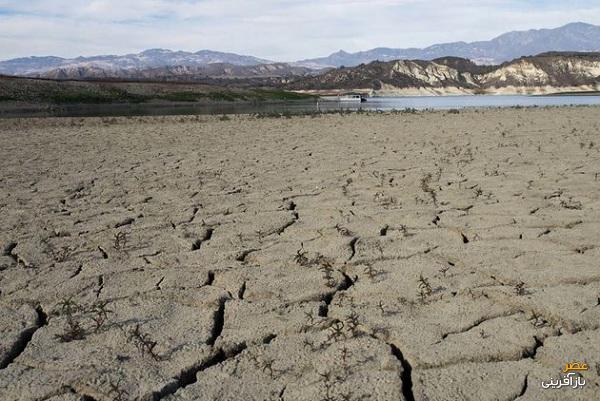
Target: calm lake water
<point>374,103</point>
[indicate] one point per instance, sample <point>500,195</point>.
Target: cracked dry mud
<point>428,256</point>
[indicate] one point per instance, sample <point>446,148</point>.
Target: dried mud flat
<point>427,256</point>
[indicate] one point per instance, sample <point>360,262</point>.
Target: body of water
<point>458,102</point>
<point>374,103</point>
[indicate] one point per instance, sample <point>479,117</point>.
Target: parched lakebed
<point>366,256</point>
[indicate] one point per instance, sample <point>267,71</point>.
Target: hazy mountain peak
<point>157,51</point>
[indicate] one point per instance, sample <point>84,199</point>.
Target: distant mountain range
<point>181,73</point>
<point>578,36</point>
<point>167,64</point>
<point>544,73</point>
<point>154,58</point>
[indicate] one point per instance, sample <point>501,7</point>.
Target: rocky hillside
<point>553,69</point>
<point>557,70</point>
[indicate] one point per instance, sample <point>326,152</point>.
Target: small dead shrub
<point>143,342</point>
<point>120,241</point>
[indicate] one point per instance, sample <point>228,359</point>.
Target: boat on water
<point>352,98</point>
<point>349,98</point>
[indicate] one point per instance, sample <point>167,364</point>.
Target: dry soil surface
<point>426,256</point>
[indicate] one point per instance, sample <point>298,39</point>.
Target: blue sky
<point>281,30</point>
